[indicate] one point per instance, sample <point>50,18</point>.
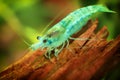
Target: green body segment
<point>77,19</point>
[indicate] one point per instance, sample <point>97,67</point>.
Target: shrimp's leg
<point>79,38</point>
<point>67,44</point>
<point>69,47</point>
<point>58,51</point>
<point>48,52</point>
<point>84,39</point>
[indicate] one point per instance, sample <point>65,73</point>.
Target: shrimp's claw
<point>57,51</point>
<point>47,54</point>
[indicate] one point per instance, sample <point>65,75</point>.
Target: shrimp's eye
<point>38,37</point>
<point>44,41</point>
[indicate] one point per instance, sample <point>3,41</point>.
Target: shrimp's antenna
<point>58,15</point>
<point>28,44</point>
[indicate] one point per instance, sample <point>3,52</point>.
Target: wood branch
<point>82,60</point>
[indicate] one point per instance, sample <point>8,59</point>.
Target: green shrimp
<point>59,34</point>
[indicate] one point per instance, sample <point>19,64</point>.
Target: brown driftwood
<point>82,60</point>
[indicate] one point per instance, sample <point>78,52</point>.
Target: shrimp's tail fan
<point>102,8</point>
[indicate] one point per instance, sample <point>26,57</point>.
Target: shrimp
<point>63,30</point>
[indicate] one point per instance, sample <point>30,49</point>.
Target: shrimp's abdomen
<point>77,19</point>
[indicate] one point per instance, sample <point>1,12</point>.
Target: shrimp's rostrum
<point>63,30</point>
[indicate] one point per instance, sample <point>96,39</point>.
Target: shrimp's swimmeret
<point>63,30</point>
